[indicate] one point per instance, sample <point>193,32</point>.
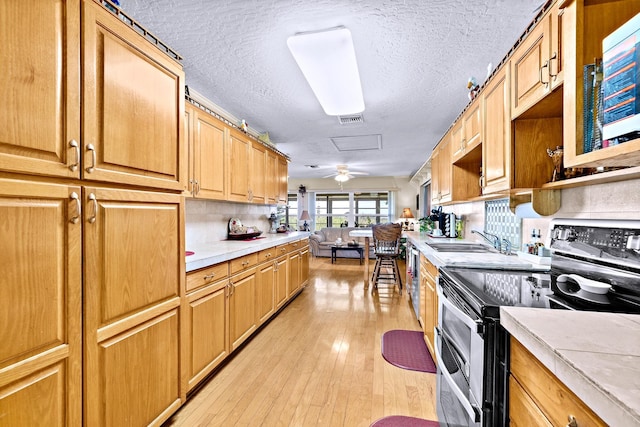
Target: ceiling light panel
<point>328,61</point>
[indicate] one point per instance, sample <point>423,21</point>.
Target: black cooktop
<point>486,290</point>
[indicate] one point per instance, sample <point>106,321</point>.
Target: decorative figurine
<point>556,156</point>
<point>474,88</point>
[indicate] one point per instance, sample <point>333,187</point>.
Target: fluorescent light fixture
<point>328,61</point>
<point>342,178</point>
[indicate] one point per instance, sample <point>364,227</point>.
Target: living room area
<point>330,211</point>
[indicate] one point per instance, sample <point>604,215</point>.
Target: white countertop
<point>224,250</point>
<point>596,355</point>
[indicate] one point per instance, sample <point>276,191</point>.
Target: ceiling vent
<point>351,119</point>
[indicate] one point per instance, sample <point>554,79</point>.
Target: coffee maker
<point>446,222</point>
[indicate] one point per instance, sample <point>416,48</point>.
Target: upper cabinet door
<point>496,147</point>
<point>257,175</point>
<point>210,156</point>
<point>530,69</point>
<point>133,106</point>
<point>240,155</point>
<point>40,87</point>
<point>283,179</point>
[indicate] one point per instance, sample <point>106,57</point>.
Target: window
<point>351,209</point>
<point>292,211</point>
<point>371,208</point>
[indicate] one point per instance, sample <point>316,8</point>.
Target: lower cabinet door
<point>282,278</point>
<point>208,338</point>
<point>265,291</point>
<point>133,248</point>
<point>136,380</point>
<point>40,304</point>
<point>523,411</point>
<point>294,272</point>
<point>242,307</point>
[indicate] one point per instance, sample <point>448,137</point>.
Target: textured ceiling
<point>414,56</point>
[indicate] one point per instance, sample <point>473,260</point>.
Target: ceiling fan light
<point>341,178</point>
<point>328,61</point>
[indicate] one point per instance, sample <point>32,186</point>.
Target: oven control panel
<point>612,240</point>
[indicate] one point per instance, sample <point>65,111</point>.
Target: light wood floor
<point>318,363</point>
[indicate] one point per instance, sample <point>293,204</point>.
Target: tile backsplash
<point>207,220</point>
<point>615,200</point>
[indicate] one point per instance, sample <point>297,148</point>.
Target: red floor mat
<point>402,421</point>
<point>407,350</point>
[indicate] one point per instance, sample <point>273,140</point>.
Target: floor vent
<point>352,119</point>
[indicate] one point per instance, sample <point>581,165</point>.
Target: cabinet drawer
<point>239,264</point>
<point>282,249</point>
<point>196,279</point>
<point>267,254</point>
<point>553,398</point>
<point>294,246</point>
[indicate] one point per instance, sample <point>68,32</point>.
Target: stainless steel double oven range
<point>595,266</point>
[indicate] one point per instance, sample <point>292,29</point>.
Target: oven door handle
<point>472,411</point>
<point>464,318</point>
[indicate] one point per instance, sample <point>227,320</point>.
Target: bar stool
<point>386,245</point>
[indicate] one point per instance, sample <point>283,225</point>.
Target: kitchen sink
<point>462,247</point>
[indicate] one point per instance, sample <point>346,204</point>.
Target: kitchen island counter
<point>596,355</point>
<point>224,250</point>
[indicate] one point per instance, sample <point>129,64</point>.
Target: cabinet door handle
<point>230,288</point>
<point>74,144</point>
<point>74,196</point>
<point>554,57</point>
<point>209,276</point>
<point>197,188</point>
<point>245,263</point>
<point>90,147</point>
<point>546,65</point>
<point>92,197</point>
<point>572,421</point>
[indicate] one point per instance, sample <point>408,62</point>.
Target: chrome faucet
<point>507,246</point>
<point>495,240</point>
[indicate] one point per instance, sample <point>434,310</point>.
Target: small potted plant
<point>426,224</point>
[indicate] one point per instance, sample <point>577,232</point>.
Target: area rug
<point>402,421</point>
<point>407,350</point>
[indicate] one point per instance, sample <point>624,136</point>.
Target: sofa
<point>320,242</point>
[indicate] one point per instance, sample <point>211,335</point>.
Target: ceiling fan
<point>342,174</point>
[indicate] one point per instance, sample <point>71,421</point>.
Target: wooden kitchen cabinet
<point>208,151</point>
<point>441,171</point>
<point>40,307</point>
<point>257,173</point>
<point>298,265</point>
<point>266,291</point>
<point>242,306</point>
<point>239,162</point>
<point>283,179</point>
<point>496,148</point>
<point>282,280</point>
<point>532,76</point>
<point>133,106</point>
<point>207,336</point>
<point>466,134</point>
<point>538,398</point>
<point>428,274</point>
<point>272,179</point>
<point>40,77</point>
<point>133,276</point>
<point>585,24</point>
